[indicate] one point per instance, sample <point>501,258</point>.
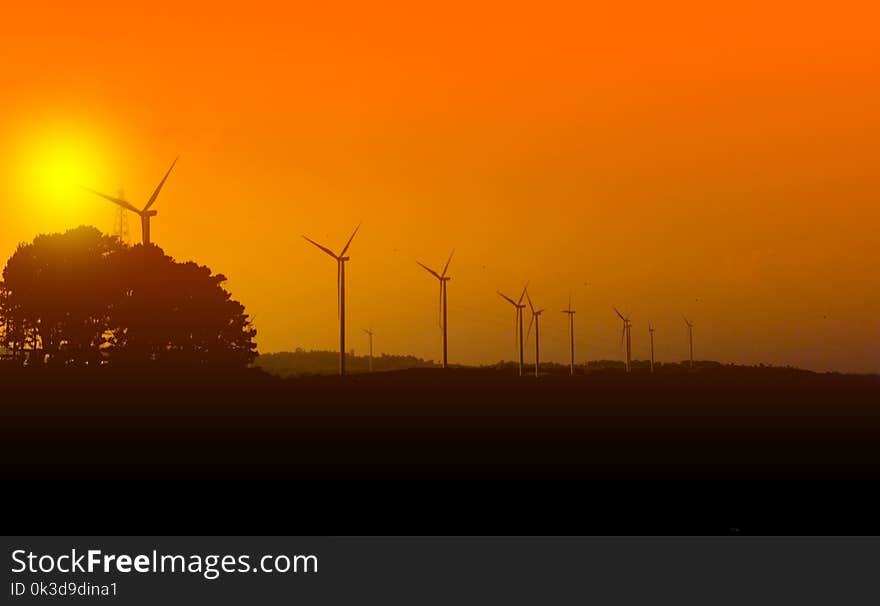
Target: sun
<point>55,162</point>
<point>58,168</point>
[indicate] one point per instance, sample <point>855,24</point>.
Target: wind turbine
<point>626,335</point>
<point>370,333</point>
<point>570,313</point>
<point>536,317</point>
<point>443,280</point>
<point>651,333</point>
<point>518,322</point>
<point>690,326</point>
<point>340,288</point>
<point>145,213</point>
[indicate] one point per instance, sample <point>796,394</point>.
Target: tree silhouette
<point>86,298</point>
<point>176,313</point>
<point>56,294</point>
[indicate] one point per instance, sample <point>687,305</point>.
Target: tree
<point>55,296</point>
<point>177,313</point>
<point>85,298</point>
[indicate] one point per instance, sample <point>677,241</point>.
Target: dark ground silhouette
<point>716,422</point>
<point>318,362</point>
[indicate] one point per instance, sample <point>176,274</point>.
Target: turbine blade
<point>159,187</point>
<point>324,248</point>
<point>529,333</point>
<point>506,298</point>
<point>123,203</point>
<point>525,288</point>
<point>532,307</point>
<point>433,273</point>
<point>347,244</point>
<point>446,267</point>
<point>620,315</point>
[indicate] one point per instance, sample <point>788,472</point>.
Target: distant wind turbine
<point>536,317</point>
<point>370,333</point>
<point>518,323</point>
<point>651,333</point>
<point>443,280</point>
<point>570,313</point>
<point>145,213</point>
<point>625,335</point>
<point>690,327</point>
<point>340,288</point>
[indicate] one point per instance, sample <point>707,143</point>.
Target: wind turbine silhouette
<point>370,333</point>
<point>518,322</point>
<point>443,280</point>
<point>536,317</point>
<point>651,333</point>
<point>626,335</point>
<point>145,213</point>
<point>340,287</point>
<point>690,327</point>
<point>570,313</point>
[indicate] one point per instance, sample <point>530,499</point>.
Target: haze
<point>666,161</point>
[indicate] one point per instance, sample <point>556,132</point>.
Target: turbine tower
<point>690,327</point>
<point>443,280</point>
<point>145,213</point>
<point>651,333</point>
<point>340,290</point>
<point>570,313</point>
<point>536,317</point>
<point>370,333</point>
<point>625,335</point>
<point>518,323</point>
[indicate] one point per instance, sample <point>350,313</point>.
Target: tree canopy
<point>83,297</point>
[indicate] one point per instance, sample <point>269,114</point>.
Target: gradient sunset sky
<point>665,158</point>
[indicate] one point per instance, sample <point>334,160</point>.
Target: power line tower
<point>120,223</point>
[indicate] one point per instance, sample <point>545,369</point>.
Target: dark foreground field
<point>720,422</point>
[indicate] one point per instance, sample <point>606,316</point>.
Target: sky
<point>666,158</point>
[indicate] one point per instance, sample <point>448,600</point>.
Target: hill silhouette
<point>713,422</point>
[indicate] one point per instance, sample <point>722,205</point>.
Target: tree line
<point>86,298</point>
<point>302,362</point>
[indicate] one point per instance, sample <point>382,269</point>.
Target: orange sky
<point>666,158</point>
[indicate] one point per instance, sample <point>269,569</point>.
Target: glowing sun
<point>56,160</point>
